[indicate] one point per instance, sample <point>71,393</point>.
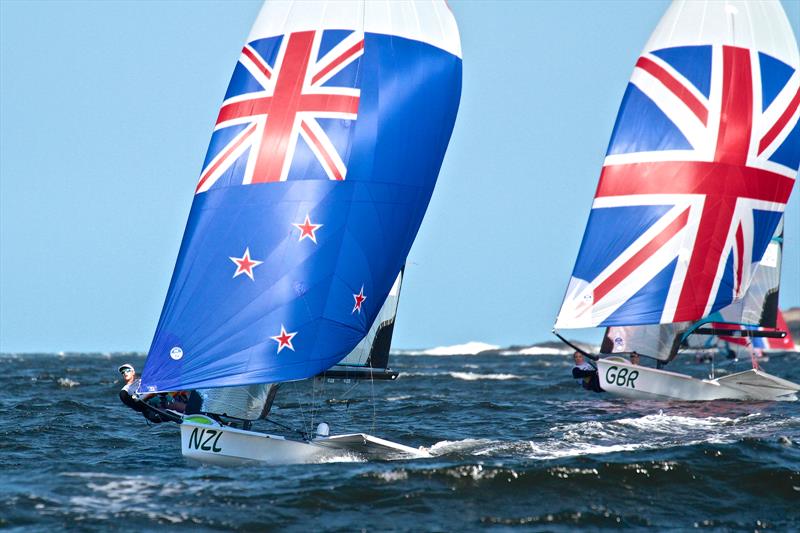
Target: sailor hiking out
<point>585,373</point>
<point>146,404</point>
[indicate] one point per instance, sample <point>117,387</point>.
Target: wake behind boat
<point>682,249</point>
<point>320,168</point>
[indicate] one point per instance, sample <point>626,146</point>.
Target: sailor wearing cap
<point>126,394</point>
<point>139,403</point>
<point>129,375</point>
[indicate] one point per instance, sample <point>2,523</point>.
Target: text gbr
<point>622,377</point>
<point>205,439</point>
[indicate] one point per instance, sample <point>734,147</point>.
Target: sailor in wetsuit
<point>139,404</point>
<point>585,373</point>
<point>129,389</point>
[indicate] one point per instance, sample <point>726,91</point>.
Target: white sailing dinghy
<point>745,323</point>
<point>688,210</point>
<point>320,168</point>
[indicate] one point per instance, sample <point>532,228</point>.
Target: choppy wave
<point>513,442</point>
<point>466,445</point>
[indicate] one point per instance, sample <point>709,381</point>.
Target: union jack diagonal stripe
<point>717,162</point>
<point>290,96</point>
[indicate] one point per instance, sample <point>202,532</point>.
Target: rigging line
<point>313,401</point>
<point>584,352</point>
<point>356,383</point>
<point>310,426</point>
<point>372,390</point>
<point>295,389</point>
<point>289,428</point>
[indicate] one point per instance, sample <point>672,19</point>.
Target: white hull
<point>209,442</point>
<point>619,377</point>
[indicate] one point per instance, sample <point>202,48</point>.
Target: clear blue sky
<point>106,110</point>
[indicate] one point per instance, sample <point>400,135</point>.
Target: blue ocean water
<point>516,445</point>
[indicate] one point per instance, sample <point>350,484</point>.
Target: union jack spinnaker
<point>756,311</point>
<point>701,163</point>
<point>320,168</point>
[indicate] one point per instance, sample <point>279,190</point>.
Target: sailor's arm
<point>578,373</point>
<point>126,398</point>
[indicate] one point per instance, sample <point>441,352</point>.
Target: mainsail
<point>246,402</point>
<point>701,163</point>
<point>320,168</point>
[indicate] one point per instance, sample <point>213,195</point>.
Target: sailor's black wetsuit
<point>137,405</point>
<point>587,375</point>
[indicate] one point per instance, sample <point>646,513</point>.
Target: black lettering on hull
<point>621,377</point>
<point>196,440</point>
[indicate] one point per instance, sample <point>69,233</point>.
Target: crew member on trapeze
<point>585,373</point>
<point>141,404</point>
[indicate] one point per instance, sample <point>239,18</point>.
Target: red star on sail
<point>245,265</point>
<point>359,298</point>
<point>307,229</point>
<point>284,340</point>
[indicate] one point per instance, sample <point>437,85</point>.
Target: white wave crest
<point>662,430</point>
<point>448,446</point>
<point>648,432</point>
<point>468,348</point>
<point>399,398</point>
<point>344,457</point>
<point>472,376</point>
<point>421,374</point>
<point>537,350</point>
<point>393,475</point>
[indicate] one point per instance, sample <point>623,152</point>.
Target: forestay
<point>701,163</point>
<point>320,168</point>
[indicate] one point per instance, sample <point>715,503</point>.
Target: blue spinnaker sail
<point>320,168</point>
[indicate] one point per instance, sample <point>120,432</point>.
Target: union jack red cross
<point>289,98</point>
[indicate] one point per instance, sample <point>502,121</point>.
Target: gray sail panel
<point>248,402</point>
<point>659,341</point>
